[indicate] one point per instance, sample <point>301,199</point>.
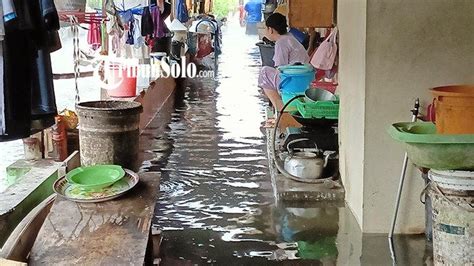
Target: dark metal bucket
<point>109,133</point>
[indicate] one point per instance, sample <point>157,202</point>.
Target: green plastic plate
<point>95,177</point>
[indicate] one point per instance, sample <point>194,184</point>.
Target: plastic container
<point>267,51</point>
<point>454,107</point>
<point>452,195</point>
<point>427,149</point>
<point>319,109</point>
<point>95,177</point>
<point>122,80</point>
<point>32,148</point>
<point>295,78</point>
<point>286,97</point>
<point>315,95</point>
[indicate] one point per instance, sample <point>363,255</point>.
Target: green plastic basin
<point>95,177</point>
<point>427,149</point>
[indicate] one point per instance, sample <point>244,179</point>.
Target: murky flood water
<point>216,201</point>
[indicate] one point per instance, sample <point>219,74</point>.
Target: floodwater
<point>216,203</point>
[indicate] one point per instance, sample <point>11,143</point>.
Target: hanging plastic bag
<point>325,55</point>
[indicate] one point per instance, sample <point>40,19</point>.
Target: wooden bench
<point>108,233</point>
<point>116,232</point>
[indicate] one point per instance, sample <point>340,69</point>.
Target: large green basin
<point>427,149</point>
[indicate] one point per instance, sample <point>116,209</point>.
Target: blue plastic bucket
<point>295,78</point>
<point>287,96</point>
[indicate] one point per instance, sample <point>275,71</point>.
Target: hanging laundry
<point>2,36</point>
<point>166,11</point>
<point>115,32</point>
<point>147,22</point>
<point>158,23</point>
<point>8,10</point>
<point>43,97</point>
<point>130,39</point>
<point>94,36</point>
<point>28,92</point>
<point>138,40</point>
<point>182,11</point>
<point>2,27</point>
<point>103,38</point>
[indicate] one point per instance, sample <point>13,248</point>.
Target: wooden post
<point>105,49</point>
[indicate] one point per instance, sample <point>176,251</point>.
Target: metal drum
<point>109,132</point>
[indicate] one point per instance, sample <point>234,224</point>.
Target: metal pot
<point>306,165</point>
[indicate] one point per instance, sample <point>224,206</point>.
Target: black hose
<point>279,118</point>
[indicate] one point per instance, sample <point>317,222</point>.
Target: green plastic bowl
<point>95,177</point>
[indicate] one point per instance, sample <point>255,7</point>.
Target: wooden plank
<point>109,233</point>
<point>19,243</point>
<point>311,13</point>
<point>5,262</point>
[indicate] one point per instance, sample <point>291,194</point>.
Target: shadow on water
<point>216,202</point>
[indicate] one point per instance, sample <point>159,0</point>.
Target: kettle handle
<point>300,140</point>
<point>293,142</point>
<point>326,157</point>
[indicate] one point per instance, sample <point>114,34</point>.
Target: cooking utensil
<point>315,95</point>
<point>305,164</point>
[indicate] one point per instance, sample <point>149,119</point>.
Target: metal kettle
<point>305,165</point>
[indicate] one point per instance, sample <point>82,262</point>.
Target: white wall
<point>411,46</point>
<point>352,43</point>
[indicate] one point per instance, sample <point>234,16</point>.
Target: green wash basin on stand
<point>427,149</point>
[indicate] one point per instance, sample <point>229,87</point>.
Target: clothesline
<point>82,17</point>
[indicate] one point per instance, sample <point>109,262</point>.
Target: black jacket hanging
<point>147,22</point>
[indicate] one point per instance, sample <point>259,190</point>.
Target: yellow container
<point>454,109</point>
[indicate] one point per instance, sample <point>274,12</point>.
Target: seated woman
<point>287,51</point>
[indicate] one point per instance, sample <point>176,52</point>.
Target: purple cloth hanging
<point>158,23</point>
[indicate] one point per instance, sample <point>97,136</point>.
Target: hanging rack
<point>75,18</point>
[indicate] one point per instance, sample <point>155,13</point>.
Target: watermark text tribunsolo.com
<point>113,71</point>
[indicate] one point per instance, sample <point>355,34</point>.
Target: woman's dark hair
<point>278,22</point>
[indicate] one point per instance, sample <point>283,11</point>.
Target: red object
<point>59,139</point>
<point>122,81</point>
<point>94,36</point>
<point>329,86</point>
<point>204,45</point>
<point>431,112</point>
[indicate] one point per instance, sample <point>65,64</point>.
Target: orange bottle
<point>59,139</point>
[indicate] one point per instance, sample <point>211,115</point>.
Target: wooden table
<point>115,232</point>
<point>109,233</point>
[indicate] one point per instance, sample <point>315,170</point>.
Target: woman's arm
<point>281,56</point>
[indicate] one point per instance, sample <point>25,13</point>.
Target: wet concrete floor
<point>216,203</point>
